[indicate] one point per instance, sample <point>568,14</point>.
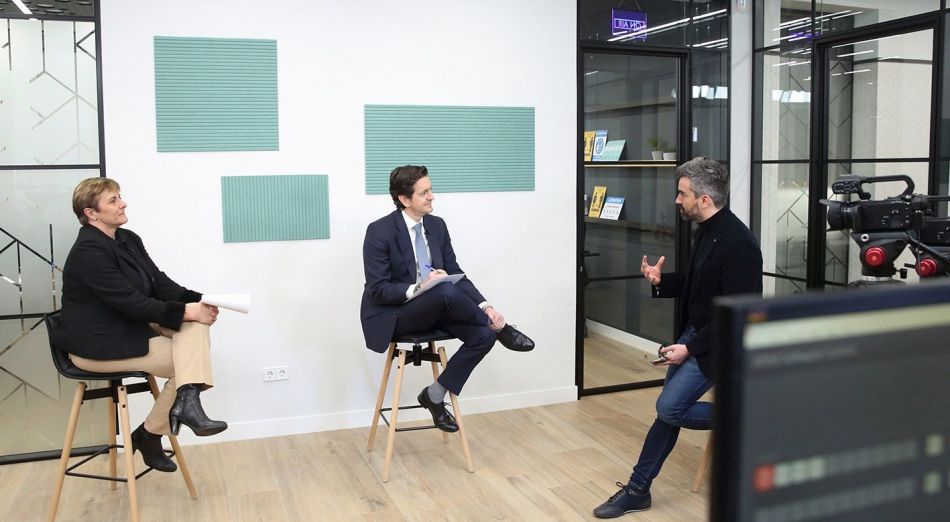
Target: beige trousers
<point>184,357</point>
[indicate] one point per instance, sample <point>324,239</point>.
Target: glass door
<point>632,125</point>
<point>878,93</point>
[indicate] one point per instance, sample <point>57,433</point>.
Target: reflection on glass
<point>783,95</point>
<point>709,102</point>
<point>641,112</point>
<point>780,23</point>
<point>37,227</point>
<point>782,224</point>
<point>836,16</point>
<point>633,98</point>
<point>48,88</point>
<point>666,22</point>
<point>841,253</point>
<point>878,97</point>
<point>710,24</point>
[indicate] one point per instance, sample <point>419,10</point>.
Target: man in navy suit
<point>405,252</point>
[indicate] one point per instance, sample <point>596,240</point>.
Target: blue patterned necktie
<point>422,254</point>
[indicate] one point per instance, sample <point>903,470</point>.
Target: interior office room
<point>253,143</point>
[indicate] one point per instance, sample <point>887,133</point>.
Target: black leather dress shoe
<point>187,410</point>
<point>440,416</point>
<point>150,445</point>
<point>512,339</point>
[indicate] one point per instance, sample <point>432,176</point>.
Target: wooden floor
<point>608,362</point>
<point>545,463</point>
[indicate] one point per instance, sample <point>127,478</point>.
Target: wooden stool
<point>118,392</point>
<point>415,356</point>
<point>703,464</point>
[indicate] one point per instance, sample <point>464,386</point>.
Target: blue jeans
<point>677,407</point>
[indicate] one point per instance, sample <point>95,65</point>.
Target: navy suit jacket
<point>389,264</point>
<point>107,305</point>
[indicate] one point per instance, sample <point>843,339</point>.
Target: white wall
<point>333,58</point>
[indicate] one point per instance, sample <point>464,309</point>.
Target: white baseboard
<point>644,345</point>
<point>362,418</point>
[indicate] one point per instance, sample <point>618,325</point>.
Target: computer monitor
<point>833,406</point>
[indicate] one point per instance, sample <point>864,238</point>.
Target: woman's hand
<point>201,313</point>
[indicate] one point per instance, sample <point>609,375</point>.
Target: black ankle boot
<point>150,445</point>
<point>187,410</point>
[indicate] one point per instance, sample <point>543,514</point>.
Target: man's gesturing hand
<point>652,273</point>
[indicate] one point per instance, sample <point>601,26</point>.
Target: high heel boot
<point>150,445</point>
<point>187,410</point>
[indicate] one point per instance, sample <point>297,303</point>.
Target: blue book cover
<point>600,141</point>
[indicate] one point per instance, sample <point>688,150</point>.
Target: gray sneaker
<point>627,500</point>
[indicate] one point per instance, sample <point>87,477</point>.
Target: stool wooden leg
<point>127,451</point>
<point>391,438</point>
<point>110,440</point>
<point>67,449</point>
<point>435,376</point>
<point>703,464</point>
<point>384,382</point>
<point>458,417</point>
<point>179,456</point>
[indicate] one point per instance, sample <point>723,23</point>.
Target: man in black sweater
<point>725,259</point>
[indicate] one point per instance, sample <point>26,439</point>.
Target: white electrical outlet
<point>276,373</point>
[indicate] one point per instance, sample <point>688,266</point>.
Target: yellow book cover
<point>597,201</point>
<point>589,145</point>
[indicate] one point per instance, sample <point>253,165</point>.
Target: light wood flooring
<point>608,362</point>
<point>552,462</point>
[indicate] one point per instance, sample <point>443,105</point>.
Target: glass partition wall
<point>50,139</point>
<point>653,91</point>
<point>840,89</point>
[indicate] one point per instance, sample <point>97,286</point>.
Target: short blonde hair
<point>87,193</point>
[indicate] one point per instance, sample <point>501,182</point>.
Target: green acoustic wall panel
<point>275,208</point>
<point>467,149</point>
<point>215,94</point>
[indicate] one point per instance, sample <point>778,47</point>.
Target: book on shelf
<point>600,141</point>
<point>612,150</point>
<point>597,201</point>
<point>589,145</point>
<point>612,207</point>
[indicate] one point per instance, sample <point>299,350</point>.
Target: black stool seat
<point>65,367</point>
<point>424,337</point>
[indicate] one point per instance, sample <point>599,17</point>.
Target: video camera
<point>885,227</point>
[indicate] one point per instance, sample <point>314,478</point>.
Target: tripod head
<point>884,228</point>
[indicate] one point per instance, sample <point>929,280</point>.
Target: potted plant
<point>669,153</point>
<point>656,147</point>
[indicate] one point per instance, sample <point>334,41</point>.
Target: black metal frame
<point>100,393</point>
<point>818,160</point>
<point>683,230</point>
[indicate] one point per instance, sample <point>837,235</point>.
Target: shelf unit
<point>631,164</point>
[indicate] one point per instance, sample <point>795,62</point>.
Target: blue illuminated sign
<point>628,22</point>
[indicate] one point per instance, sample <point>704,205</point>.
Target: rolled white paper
<point>237,302</point>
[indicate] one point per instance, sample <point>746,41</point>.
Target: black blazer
<point>107,305</point>
<point>389,264</point>
<point>732,265</point>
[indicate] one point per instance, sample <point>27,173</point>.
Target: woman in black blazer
<point>121,313</point>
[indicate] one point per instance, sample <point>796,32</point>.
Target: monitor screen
<point>833,406</point>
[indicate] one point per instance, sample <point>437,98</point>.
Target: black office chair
<point>418,354</point>
<point>118,392</point>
